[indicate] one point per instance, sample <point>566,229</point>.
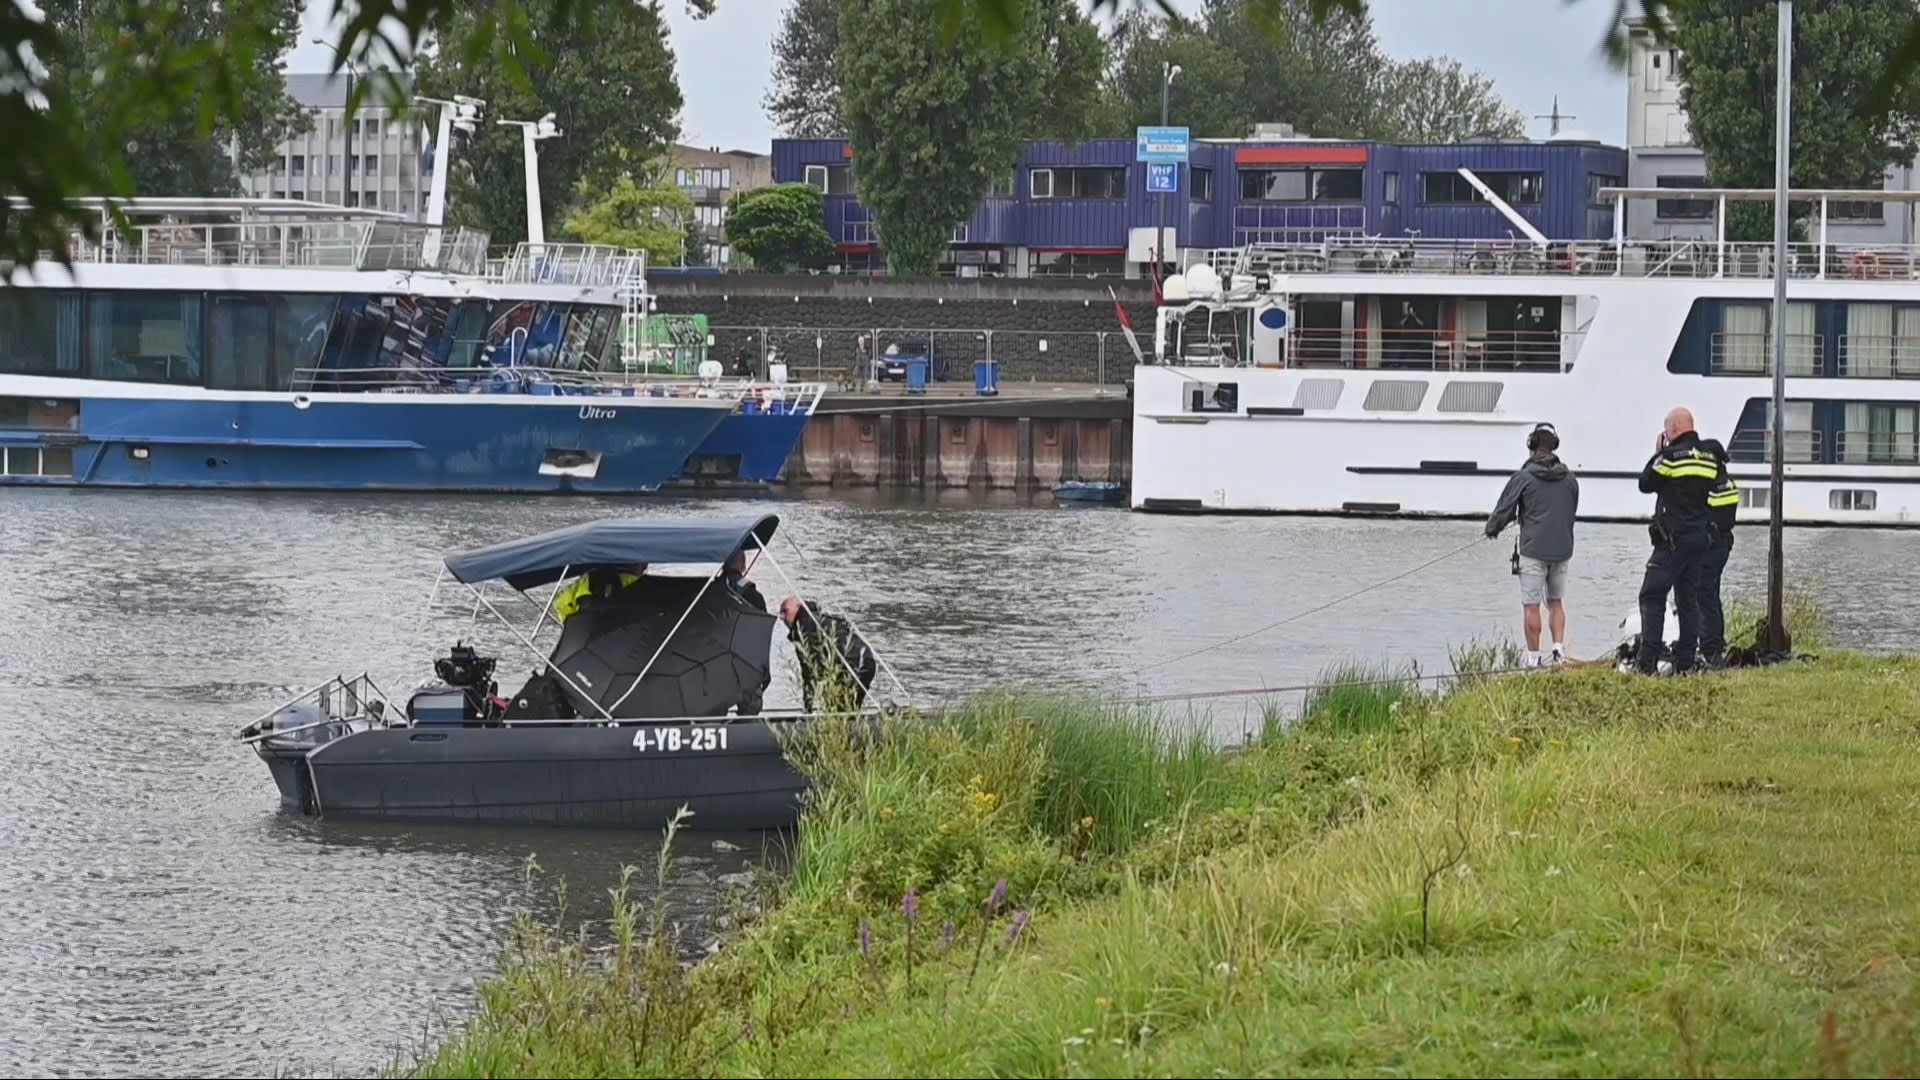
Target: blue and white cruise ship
<point>255,343</point>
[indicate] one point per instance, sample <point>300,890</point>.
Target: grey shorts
<point>1541,581</point>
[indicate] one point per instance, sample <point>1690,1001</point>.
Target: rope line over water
<point>1310,611</point>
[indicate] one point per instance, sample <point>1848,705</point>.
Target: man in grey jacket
<point>1544,496</point>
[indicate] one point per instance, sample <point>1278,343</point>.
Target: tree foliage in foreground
<point>1840,47</point>
<point>167,152</point>
<point>59,148</point>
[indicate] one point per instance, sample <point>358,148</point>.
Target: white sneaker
<point>1530,660</point>
<point>1557,657</point>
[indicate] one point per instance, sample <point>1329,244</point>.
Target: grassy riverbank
<point>1569,873</point>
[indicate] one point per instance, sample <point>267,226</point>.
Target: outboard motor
<point>464,695</point>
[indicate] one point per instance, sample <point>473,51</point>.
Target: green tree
<point>779,226</point>
<point>934,118</point>
<point>1437,100</point>
<point>804,100</point>
<point>1323,77</point>
<point>1208,96</point>
<point>609,82</point>
<point>168,153</point>
<point>696,245</point>
<point>651,217</point>
<point>1839,48</point>
<point>807,100</point>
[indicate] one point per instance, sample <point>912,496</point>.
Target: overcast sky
<point>1532,49</point>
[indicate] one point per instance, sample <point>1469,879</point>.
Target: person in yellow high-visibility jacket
<point>566,603</point>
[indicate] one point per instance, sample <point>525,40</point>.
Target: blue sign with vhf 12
<point>1163,178</point>
<point>1165,145</point>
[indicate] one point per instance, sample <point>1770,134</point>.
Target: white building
<point>375,162</point>
<point>1661,153</point>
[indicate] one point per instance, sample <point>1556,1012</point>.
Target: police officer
<point>1681,472</point>
<point>1723,502</point>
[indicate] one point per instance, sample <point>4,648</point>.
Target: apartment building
<point>377,161</point>
<point>710,176</point>
<point>1661,153</point>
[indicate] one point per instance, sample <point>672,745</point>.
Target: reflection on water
<point>166,920</point>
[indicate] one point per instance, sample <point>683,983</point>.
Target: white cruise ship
<point>1368,375</point>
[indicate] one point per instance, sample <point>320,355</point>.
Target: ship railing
<point>1691,258</point>
<point>309,243</point>
<point>1434,350</point>
<point>1879,356</point>
<point>1751,353</point>
<point>509,378</point>
<point>1882,447</point>
<point>585,265</point>
<point>344,704</point>
<point>1803,446</point>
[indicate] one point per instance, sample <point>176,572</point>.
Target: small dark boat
<point>648,702</point>
<point>1090,491</point>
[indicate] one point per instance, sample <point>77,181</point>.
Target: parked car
<point>892,364</point>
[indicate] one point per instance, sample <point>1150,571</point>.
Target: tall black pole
<point>1776,631</point>
<point>1160,247</point>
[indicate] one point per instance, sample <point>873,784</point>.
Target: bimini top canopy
<point>617,542</point>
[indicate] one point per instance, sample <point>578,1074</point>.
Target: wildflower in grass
<point>1019,924</point>
<point>910,904</point>
<point>866,942</point>
<point>997,897</point>
<point>946,935</point>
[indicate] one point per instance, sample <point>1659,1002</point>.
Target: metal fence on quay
<point>845,356</point>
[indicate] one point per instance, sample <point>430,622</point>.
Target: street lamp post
<point>531,132</point>
<point>1167,72</point>
<point>1776,638</point>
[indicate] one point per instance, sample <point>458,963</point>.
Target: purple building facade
<point>1085,209</point>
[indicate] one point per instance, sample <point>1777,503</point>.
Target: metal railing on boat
<point>530,379</point>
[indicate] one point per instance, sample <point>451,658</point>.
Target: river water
<point>163,919</point>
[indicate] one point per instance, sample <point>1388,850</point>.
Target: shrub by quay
<point>1570,873</point>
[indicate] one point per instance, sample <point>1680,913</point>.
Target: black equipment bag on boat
<point>543,698</point>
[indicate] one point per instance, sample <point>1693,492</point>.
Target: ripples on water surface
<point>164,919</point>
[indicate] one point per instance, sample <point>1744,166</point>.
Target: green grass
<point>1574,873</point>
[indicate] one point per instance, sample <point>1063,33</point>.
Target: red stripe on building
<point>1300,155</point>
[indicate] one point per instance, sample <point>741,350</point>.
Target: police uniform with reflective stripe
<point>1680,475</point>
<point>567,603</point>
<point>1723,503</point>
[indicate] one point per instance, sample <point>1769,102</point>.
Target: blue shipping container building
<point>1085,208</point>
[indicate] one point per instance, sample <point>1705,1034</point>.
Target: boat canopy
<point>609,544</point>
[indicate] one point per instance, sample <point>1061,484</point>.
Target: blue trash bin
<point>916,375</point>
<point>986,377</point>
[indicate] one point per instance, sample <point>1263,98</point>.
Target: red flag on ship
<point>1126,325</point>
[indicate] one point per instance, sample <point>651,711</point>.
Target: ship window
<point>1318,393</point>
<point>1852,499</point>
<point>1470,396</point>
<point>240,343</point>
<point>1757,497</point>
<point>40,331</point>
<point>1395,395</point>
<point>144,336</point>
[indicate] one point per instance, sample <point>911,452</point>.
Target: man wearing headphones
<point>1544,496</point>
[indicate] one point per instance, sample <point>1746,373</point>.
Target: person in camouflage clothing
<point>829,649</point>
